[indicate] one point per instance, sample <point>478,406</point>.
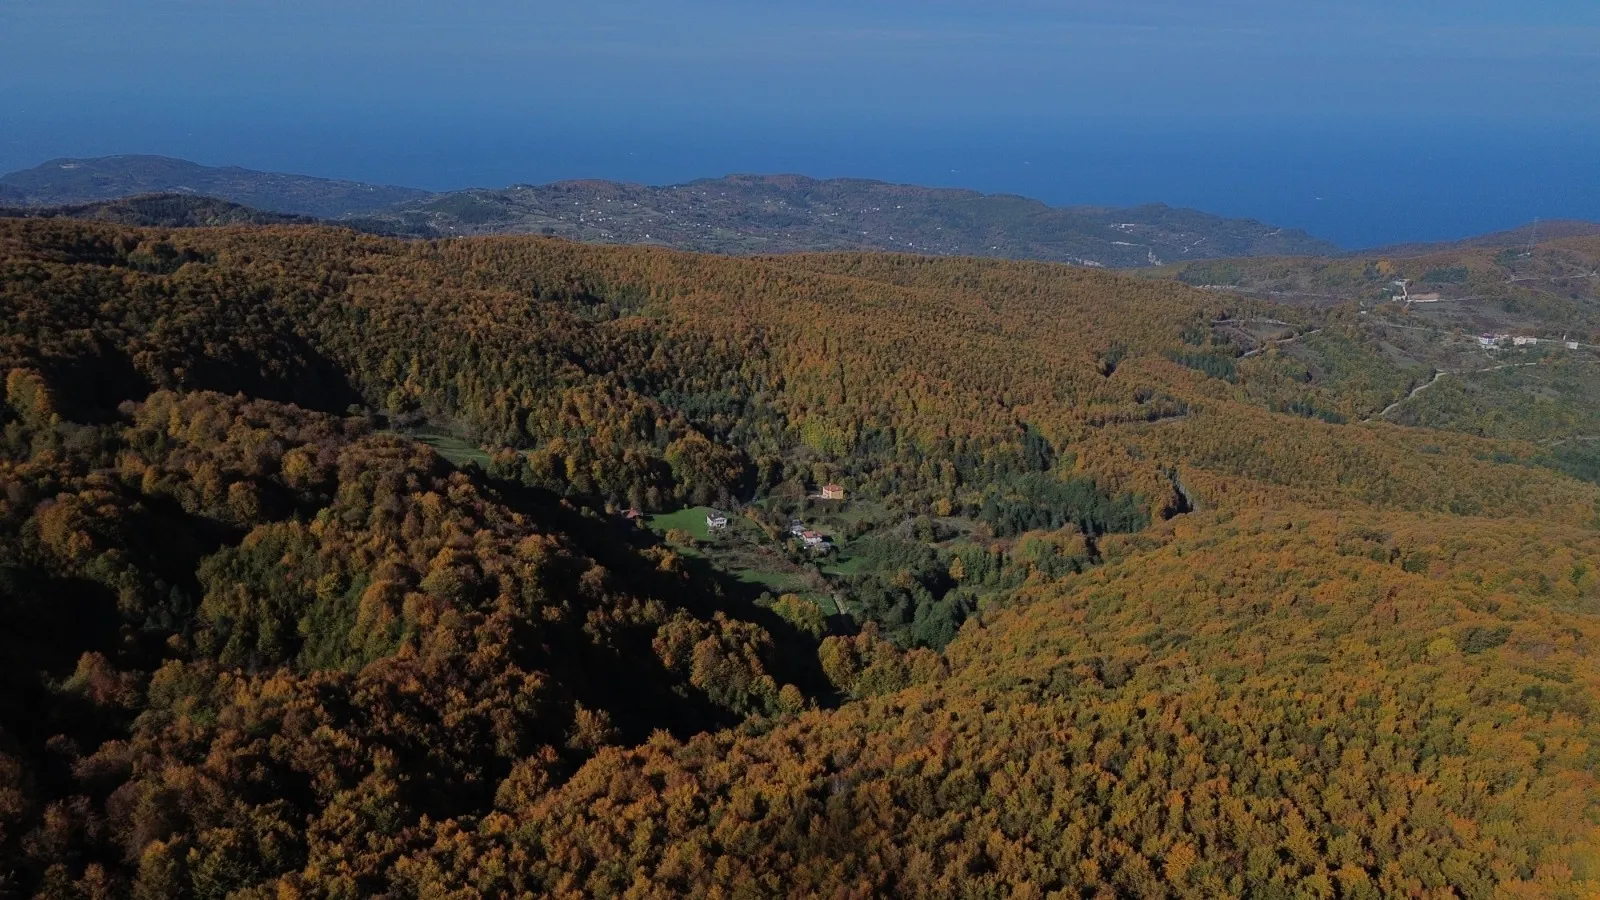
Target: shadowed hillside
<point>161,211</point>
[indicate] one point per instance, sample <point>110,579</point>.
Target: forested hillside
<point>160,211</point>
<point>334,565</point>
<point>1498,341</point>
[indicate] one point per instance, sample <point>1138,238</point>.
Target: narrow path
<point>1255,321</point>
<point>1383,324</point>
<point>1517,279</point>
<point>1567,440</point>
<point>1434,380</point>
<point>1414,391</point>
<point>1279,342</point>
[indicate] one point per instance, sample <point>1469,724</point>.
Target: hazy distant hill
<point>741,214</point>
<point>738,214</point>
<point>161,211</point>
<point>69,181</point>
<point>745,214</point>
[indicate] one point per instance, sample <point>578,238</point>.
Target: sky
<point>1361,121</point>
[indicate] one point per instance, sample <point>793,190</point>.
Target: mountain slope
<point>70,181</point>
<point>1520,238</point>
<point>1212,716</point>
<point>1492,341</point>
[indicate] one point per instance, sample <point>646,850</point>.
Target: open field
<point>458,451</point>
<point>691,519</point>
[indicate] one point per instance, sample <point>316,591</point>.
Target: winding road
<point>1434,380</point>
<point>1290,339</point>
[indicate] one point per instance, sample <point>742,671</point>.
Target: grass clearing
<point>456,450</point>
<point>852,511</point>
<point>845,566</point>
<point>774,580</point>
<point>691,520</point>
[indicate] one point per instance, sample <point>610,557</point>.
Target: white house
<point>1521,341</point>
<point>716,522</point>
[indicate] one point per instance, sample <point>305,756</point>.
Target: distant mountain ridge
<point>738,214</point>
<point>63,182</point>
<point>160,211</point>
<point>756,214</point>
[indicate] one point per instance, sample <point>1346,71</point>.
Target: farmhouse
<point>716,522</point>
<point>832,492</point>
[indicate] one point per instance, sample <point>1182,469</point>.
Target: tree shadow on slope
<point>636,687</point>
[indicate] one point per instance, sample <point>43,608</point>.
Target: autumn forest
<point>335,565</point>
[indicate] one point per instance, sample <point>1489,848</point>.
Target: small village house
<point>716,522</point>
<point>832,492</point>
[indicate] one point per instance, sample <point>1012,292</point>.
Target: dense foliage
<point>1124,629</point>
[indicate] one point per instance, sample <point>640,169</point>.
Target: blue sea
<point>1357,184</point>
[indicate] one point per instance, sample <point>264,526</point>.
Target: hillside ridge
<point>69,181</point>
